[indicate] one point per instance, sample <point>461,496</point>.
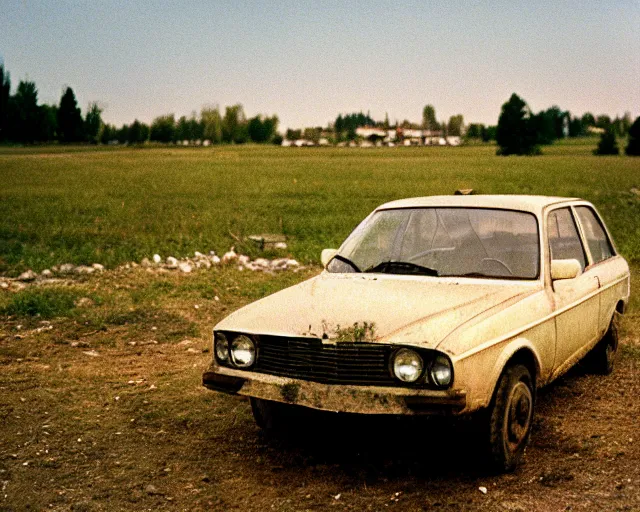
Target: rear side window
<point>597,239</point>
<point>564,241</point>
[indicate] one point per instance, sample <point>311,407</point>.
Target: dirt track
<point>132,429</point>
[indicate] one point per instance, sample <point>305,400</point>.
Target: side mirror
<point>565,269</point>
<point>327,255</point>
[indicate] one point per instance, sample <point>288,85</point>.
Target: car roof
<point>533,204</point>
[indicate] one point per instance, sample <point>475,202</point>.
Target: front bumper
<point>332,397</point>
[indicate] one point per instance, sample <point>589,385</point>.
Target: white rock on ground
<point>98,267</point>
<point>215,260</point>
<point>83,269</point>
<point>198,254</point>
<point>243,259</point>
<point>229,256</point>
<point>157,259</point>
<point>66,268</point>
<point>145,263</point>
<point>29,275</point>
<point>280,245</point>
<point>46,273</point>
<point>172,262</point>
<point>183,266</point>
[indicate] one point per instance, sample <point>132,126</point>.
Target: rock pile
<point>184,265</point>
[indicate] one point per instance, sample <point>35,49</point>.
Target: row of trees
<point>230,127</point>
<point>521,132</point>
<point>23,120</point>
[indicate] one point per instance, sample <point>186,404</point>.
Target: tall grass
<point>110,206</point>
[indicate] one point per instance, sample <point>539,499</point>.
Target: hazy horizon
<point>307,63</point>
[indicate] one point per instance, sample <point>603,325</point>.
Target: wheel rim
<point>519,414</point>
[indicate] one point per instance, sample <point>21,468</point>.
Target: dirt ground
<point>115,418</point>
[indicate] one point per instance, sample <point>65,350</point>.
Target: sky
<point>307,61</point>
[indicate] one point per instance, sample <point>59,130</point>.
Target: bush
<point>608,144</point>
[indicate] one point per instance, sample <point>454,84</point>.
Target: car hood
<point>403,309</point>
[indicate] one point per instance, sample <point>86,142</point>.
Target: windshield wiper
<point>347,261</point>
<point>396,267</point>
<point>481,274</point>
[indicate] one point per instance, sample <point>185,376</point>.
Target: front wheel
<point>511,416</point>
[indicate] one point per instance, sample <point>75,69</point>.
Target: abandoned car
<point>446,304</point>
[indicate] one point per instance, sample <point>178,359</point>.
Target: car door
<point>576,301</point>
<point>612,270</point>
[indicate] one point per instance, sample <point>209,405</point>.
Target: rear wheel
<point>510,417</point>
<point>602,357</point>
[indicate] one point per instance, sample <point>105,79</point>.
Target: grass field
<point>113,205</point>
<point>101,402</point>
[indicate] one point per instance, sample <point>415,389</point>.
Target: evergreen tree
<point>70,124</point>
<point>514,134</point>
<point>608,144</point>
<point>5,96</point>
<point>26,116</point>
<point>633,148</point>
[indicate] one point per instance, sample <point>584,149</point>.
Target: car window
<point>564,241</point>
<point>597,239</point>
<point>476,242</point>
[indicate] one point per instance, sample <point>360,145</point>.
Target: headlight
<point>221,346</point>
<point>243,351</point>
<point>407,365</point>
<point>441,371</point>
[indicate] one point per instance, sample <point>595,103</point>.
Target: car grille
<point>353,363</point>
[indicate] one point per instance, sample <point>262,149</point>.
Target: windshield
<point>471,242</point>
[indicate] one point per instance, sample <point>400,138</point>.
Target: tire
<point>265,413</point>
<point>602,357</point>
<point>511,417</point>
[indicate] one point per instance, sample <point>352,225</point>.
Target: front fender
<point>479,371</point>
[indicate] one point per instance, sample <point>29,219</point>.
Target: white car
<point>436,305</point>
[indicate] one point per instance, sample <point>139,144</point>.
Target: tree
<point>122,134</point>
<point>138,133</point>
<point>262,129</point>
<point>455,126</point>
<point>5,96</point>
<point>429,121</point>
<point>474,131</point>
<point>633,148</point>
<point>514,134</point>
<point>211,124</point>
<point>70,124</point>
<point>108,134</point>
<point>163,128</point>
<point>576,127</point>
<point>489,133</point>
<point>608,144</point>
<point>603,121</point>
<point>588,120</point>
<point>48,125</point>
<point>93,123</point>
<point>293,134</point>
<point>234,125</point>
<point>25,117</point>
